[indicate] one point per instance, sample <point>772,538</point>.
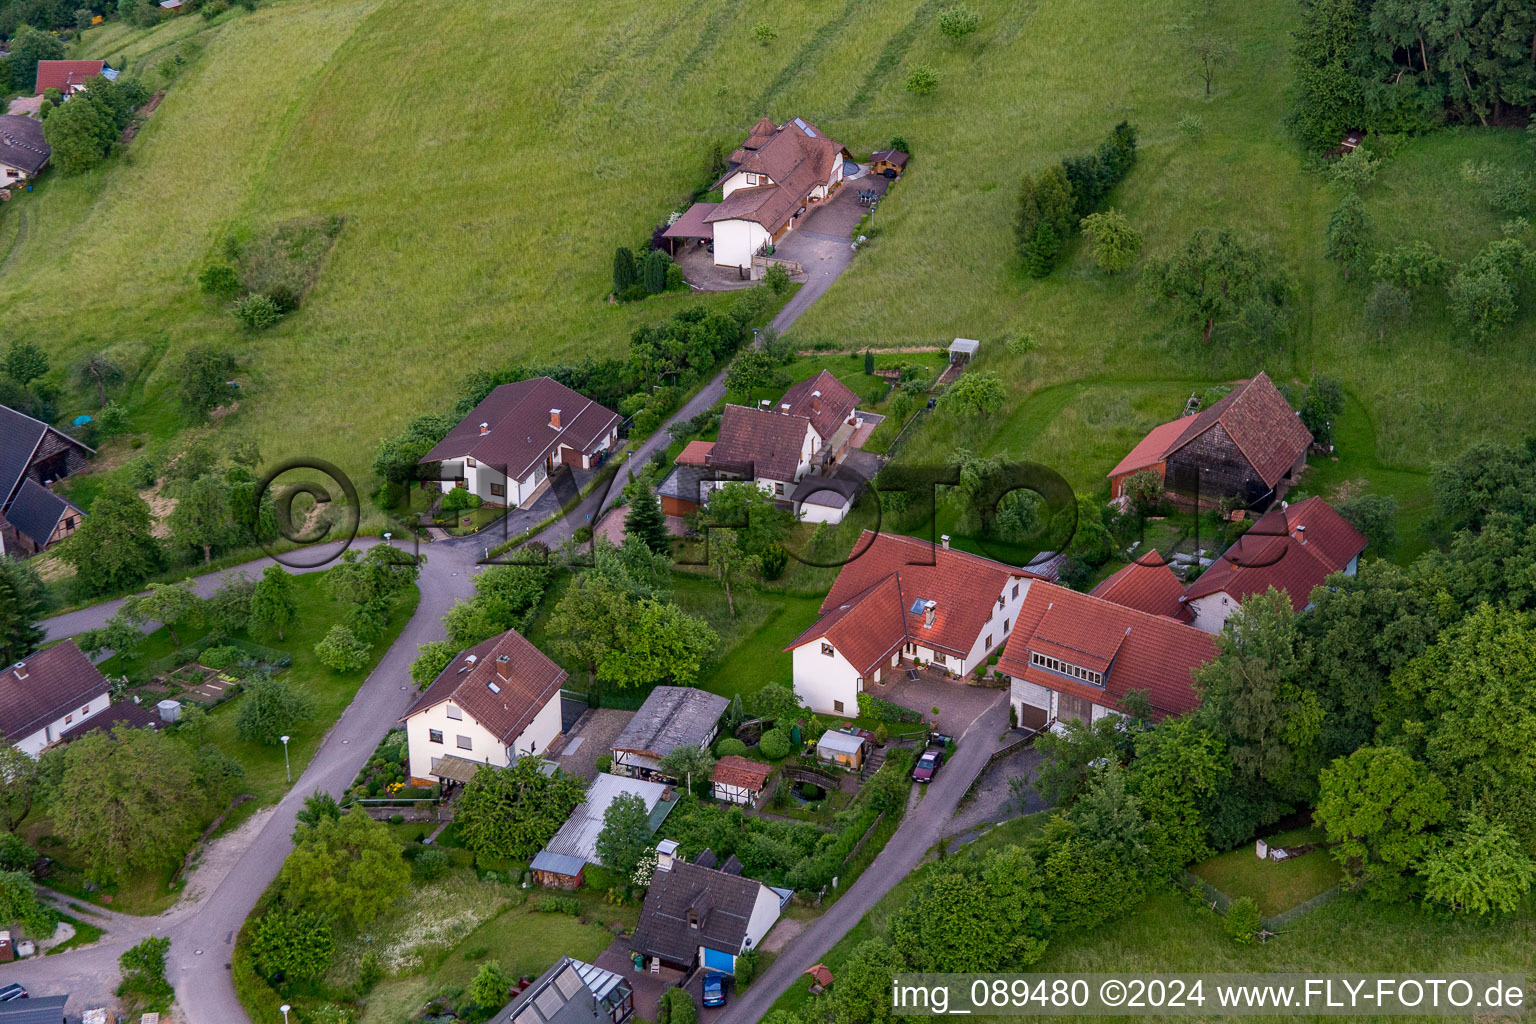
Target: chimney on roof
<point>784,408</point>
<point>470,659</point>
<point>554,418</point>
<point>815,401</point>
<point>765,403</point>
<point>666,850</point>
<point>504,667</point>
<point>485,428</point>
<point>21,670</point>
<point>928,610</point>
<point>1301,533</point>
<point>945,541</point>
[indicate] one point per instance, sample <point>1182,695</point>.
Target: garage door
<point>1031,717</point>
<point>715,960</point>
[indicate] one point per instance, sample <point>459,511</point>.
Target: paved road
<point>202,929</point>
<point>923,826</point>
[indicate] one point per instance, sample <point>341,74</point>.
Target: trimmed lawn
<point>1276,886</point>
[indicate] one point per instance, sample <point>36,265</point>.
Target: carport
<point>692,226</point>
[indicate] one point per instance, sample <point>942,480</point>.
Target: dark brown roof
<point>890,156</point>
<point>518,433</point>
<point>1137,651</point>
<point>36,511</point>
<point>22,144</point>
<point>735,770</point>
<point>504,705</point>
<point>1147,584</point>
<point>61,74</point>
<point>46,687</point>
<point>768,444</point>
<point>125,713</point>
<point>1293,549</point>
<point>826,411</point>
<point>20,438</point>
<point>722,903</point>
<point>796,157</point>
<point>694,223</point>
<point>868,612</point>
<point>1255,416</point>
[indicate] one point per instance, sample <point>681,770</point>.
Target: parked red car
<point>928,765</point>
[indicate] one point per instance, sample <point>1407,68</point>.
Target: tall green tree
<point>271,708</point>
<point>170,604</point>
<point>688,763</point>
<point>586,624</point>
<point>347,869</point>
<point>510,813</point>
<point>25,362</point>
<point>19,904</point>
<point>273,603</point>
<point>974,914</point>
<point>432,657</point>
<point>21,610</point>
<point>114,549</point>
<point>1326,53</point>
<point>975,394</point>
<point>1481,869</point>
<point>625,836</point>
<point>1045,215</point>
<point>202,517</point>
<point>202,379</point>
<point>657,643</point>
<point>1215,279</point>
<point>292,942</point>
<point>1348,238</point>
<point>645,519</point>
<point>1116,244</point>
<point>29,46</point>
<point>623,269</point>
<point>1380,809</point>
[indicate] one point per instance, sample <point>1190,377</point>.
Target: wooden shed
<point>557,870</point>
<point>889,162</point>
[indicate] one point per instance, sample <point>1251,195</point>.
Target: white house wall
<point>822,679</point>
<point>810,512</point>
<point>34,744</point>
<point>765,911</point>
<point>1212,611</point>
<point>541,732</point>
<point>736,241</point>
<point>485,747</point>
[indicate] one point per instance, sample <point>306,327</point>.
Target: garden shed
<point>843,749</point>
<point>557,870</point>
<point>963,350</point>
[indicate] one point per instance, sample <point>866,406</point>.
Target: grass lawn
<point>1276,886</point>
<point>265,777</point>
<point>85,934</point>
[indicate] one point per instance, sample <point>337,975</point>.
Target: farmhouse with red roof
<point>1291,548</point>
<point>900,599</point>
<point>69,76</point>
<point>1148,585</point>
<point>1249,445</point>
<point>1074,655</point>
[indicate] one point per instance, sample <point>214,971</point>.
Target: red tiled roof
<point>1140,651</point>
<point>48,685</point>
<point>826,413</point>
<point>61,74</point>
<point>768,441</point>
<point>518,434</point>
<point>734,770</point>
<point>1150,450</point>
<point>533,681</point>
<point>796,157</point>
<point>1271,554</point>
<point>694,223</point>
<point>869,608</point>
<point>695,453</point>
<point>1148,585</point>
<point>1254,414</point>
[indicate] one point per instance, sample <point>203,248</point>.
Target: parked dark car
<point>12,991</point>
<point>714,990</point>
<point>928,765</point>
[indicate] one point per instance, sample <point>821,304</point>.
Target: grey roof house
<point>23,152</point>
<point>701,913</point>
<point>43,696</point>
<point>571,992</point>
<point>32,456</point>
<point>671,717</point>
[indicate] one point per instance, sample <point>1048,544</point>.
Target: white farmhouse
<point>48,694</point>
<point>899,601</point>
<point>494,703</point>
<point>509,445</point>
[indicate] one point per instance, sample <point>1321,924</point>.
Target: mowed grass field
<point>488,159</point>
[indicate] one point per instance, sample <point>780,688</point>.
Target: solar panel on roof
<point>805,128</point>
<point>917,607</point>
<point>494,687</point>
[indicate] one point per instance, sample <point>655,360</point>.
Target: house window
<point>85,710</point>
<point>778,488</point>
<point>693,919</point>
<point>464,743</point>
<point>1005,627</point>
<point>434,735</point>
<point>68,719</point>
<point>498,490</point>
<point>454,713</point>
<point>988,644</point>
<point>837,706</point>
<point>470,463</point>
<point>938,658</point>
<point>827,649</point>
<point>753,179</point>
<point>1015,591</point>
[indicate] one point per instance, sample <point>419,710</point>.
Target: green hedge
<point>883,710</point>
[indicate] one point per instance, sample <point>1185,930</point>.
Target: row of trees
<point>82,132</point>
<point>1397,65</point>
<point>1054,202</point>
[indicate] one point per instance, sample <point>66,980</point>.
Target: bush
<point>604,763</point>
<point>1192,126</point>
<point>776,278</point>
<point>922,80</point>
<point>220,657</point>
<point>958,21</point>
<point>1242,921</point>
<point>729,746</point>
<point>219,279</point>
<point>257,312</point>
<point>774,744</point>
<point>569,905</point>
<point>880,709</point>
<point>431,863</point>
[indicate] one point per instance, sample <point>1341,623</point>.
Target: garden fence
<point>1221,901</point>
<point>1012,748</point>
<point>191,652</point>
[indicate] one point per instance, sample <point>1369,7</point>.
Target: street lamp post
<point>288,771</point>
<point>285,1008</point>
